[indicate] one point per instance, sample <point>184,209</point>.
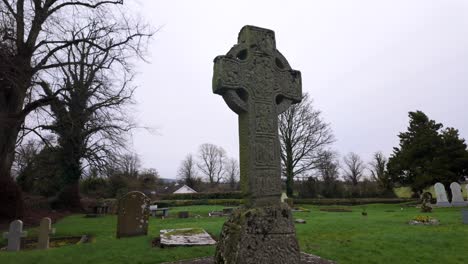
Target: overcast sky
<point>365,64</point>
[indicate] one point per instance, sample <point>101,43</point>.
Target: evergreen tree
<point>427,154</point>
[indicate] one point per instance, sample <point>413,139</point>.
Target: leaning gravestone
<point>441,195</point>
<point>457,196</point>
<point>133,215</point>
<point>14,235</point>
<point>45,230</point>
<point>258,84</point>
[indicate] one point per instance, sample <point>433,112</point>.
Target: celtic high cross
<point>258,84</point>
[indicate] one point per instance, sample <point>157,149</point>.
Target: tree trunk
<point>11,201</point>
<point>14,81</point>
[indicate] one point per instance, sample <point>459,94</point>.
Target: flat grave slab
<point>186,237</point>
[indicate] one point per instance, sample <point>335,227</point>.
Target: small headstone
<point>284,196</point>
<point>228,211</point>
<point>457,196</point>
<point>441,195</point>
<point>14,235</point>
<point>300,221</point>
<point>133,215</point>
<point>45,230</point>
<point>183,214</point>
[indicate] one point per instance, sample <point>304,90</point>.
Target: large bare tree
<point>303,135</point>
<point>211,162</point>
<point>328,171</point>
<point>31,35</point>
<point>187,172</point>
<point>232,173</point>
<point>89,111</point>
<point>353,167</point>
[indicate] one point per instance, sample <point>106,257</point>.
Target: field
<point>347,237</point>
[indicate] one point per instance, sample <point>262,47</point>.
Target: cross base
<point>259,235</point>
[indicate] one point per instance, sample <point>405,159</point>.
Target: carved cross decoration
<point>258,84</point>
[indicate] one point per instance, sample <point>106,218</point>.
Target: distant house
<point>185,189</point>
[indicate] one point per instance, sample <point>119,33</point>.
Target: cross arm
<point>227,82</point>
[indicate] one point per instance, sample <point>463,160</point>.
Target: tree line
<point>66,70</point>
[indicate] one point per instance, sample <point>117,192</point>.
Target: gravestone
<point>258,84</point>
<point>45,230</point>
<point>441,195</point>
<point>133,215</point>
<point>284,197</point>
<point>14,235</point>
<point>457,196</point>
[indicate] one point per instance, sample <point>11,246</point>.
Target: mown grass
<point>381,237</point>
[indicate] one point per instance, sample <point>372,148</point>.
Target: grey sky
<point>365,64</point>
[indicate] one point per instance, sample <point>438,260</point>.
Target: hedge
<point>174,203</point>
<point>236,202</point>
<point>353,201</point>
<point>202,196</point>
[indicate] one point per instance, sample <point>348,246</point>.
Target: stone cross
<point>441,195</point>
<point>45,230</point>
<point>457,196</point>
<point>133,215</point>
<point>258,84</point>
<point>14,235</point>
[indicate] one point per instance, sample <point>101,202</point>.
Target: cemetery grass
<point>383,236</point>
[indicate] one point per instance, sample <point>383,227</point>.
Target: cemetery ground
<point>383,236</point>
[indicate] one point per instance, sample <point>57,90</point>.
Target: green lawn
<point>381,237</point>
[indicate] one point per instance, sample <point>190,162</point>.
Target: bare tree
<point>378,170</point>
<point>89,112</point>
<point>303,135</point>
<point>353,168</point>
<point>328,169</point>
<point>30,38</point>
<point>232,172</point>
<point>211,162</point>
<point>187,172</point>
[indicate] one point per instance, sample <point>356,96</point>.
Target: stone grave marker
<point>457,196</point>
<point>133,215</point>
<point>257,83</point>
<point>186,237</point>
<point>45,229</point>
<point>14,235</point>
<point>441,195</point>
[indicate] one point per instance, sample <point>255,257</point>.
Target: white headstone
<point>45,229</point>
<point>441,195</point>
<point>457,196</point>
<point>284,196</point>
<point>14,235</point>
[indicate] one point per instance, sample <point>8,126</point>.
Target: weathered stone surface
<point>133,215</point>
<point>258,84</point>
<point>305,259</point>
<point>14,235</point>
<point>457,196</point>
<point>441,195</point>
<point>259,235</point>
<point>45,229</point>
<point>186,237</point>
